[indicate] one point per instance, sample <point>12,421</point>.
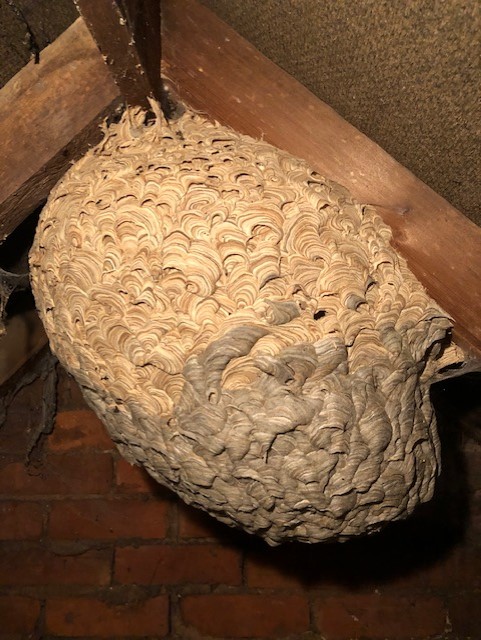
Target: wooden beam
<point>49,114</point>
<point>220,74</point>
<point>127,33</point>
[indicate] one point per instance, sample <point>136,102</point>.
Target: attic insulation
<point>243,328</point>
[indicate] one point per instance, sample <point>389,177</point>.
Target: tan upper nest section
<point>243,328</point>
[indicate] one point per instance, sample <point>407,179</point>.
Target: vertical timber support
<point>127,32</point>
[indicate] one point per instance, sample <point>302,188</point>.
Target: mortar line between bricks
<point>112,562</point>
<point>312,617</point>
<point>45,520</point>
<point>173,528</point>
<point>243,563</point>
<point>174,609</point>
<point>39,627</point>
<point>169,613</point>
<point>113,480</point>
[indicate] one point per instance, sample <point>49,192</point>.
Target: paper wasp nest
<point>243,328</point>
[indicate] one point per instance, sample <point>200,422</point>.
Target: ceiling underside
<point>407,74</point>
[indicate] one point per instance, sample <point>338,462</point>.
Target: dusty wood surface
<point>49,114</point>
<point>220,74</point>
<point>128,36</point>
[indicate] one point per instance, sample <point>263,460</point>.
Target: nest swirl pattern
<point>243,328</point>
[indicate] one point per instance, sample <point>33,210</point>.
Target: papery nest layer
<point>243,328</point>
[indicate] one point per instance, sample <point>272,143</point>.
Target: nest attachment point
<point>243,328</point>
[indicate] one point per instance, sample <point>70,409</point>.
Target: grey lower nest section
<point>243,328</point>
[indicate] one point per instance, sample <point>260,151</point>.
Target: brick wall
<point>92,548</point>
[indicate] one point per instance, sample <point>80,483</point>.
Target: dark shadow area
<point>28,26</point>
<point>14,259</point>
<point>402,548</point>
<point>14,249</point>
<point>20,302</point>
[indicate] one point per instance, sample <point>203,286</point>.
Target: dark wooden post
<point>127,32</point>
<point>50,112</point>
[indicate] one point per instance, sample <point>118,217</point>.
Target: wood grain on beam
<point>127,33</point>
<point>49,115</point>
<point>220,74</point>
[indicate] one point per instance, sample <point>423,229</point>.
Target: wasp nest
<point>243,328</point>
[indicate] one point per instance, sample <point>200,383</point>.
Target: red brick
<point>240,616</point>
<point>39,566</point>
<point>132,479</point>
<point>376,616</point>
<point>262,571</point>
<point>81,474</point>
<point>17,431</point>
<point>194,523</point>
<point>76,617</point>
<point>77,430</point>
<point>191,564</point>
<point>108,519</point>
<point>18,614</point>
<point>465,615</point>
<point>20,520</point>
<point>460,568</point>
<point>472,457</point>
<point>69,396</point>
<point>21,419</point>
